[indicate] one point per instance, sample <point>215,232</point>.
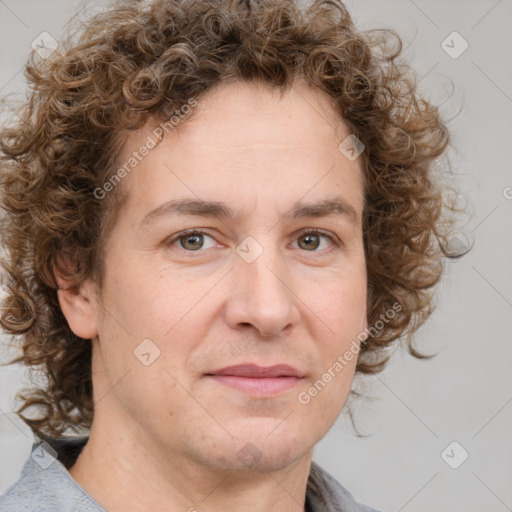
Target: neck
<point>147,477</point>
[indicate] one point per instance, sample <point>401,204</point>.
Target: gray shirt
<point>45,485</point>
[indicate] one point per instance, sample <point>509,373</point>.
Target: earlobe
<point>78,306</point>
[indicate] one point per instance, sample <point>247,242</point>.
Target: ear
<point>78,304</point>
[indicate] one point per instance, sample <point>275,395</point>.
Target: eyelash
<point>308,231</point>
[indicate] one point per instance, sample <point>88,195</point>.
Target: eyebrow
<point>192,207</point>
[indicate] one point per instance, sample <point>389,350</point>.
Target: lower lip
<point>267,386</point>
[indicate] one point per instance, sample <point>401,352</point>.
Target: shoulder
<point>326,494</point>
<point>45,485</point>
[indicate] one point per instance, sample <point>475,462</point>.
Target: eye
<point>310,240</point>
<point>191,240</point>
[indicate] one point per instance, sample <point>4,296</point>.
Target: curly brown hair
<point>139,61</point>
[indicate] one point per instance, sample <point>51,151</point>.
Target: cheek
<point>338,351</point>
<point>322,401</point>
<point>341,319</point>
<point>169,310</point>
<point>341,304</point>
<point>145,303</point>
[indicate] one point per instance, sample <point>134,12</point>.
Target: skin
<point>166,436</point>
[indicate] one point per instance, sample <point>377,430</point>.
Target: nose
<point>262,295</point>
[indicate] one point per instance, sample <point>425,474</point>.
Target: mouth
<point>258,381</point>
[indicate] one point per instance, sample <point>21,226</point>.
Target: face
<point>275,283</point>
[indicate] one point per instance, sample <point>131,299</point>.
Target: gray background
<point>420,407</point>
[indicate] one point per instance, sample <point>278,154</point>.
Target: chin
<point>268,446</point>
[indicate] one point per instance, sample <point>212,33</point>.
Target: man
<point>215,214</point>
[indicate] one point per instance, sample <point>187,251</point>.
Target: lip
<point>257,380</point>
<point>255,371</point>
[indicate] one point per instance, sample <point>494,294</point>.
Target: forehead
<point>243,142</point>
<point>241,115</point>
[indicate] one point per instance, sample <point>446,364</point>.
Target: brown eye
<point>313,240</point>
<point>309,241</point>
<point>192,242</point>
